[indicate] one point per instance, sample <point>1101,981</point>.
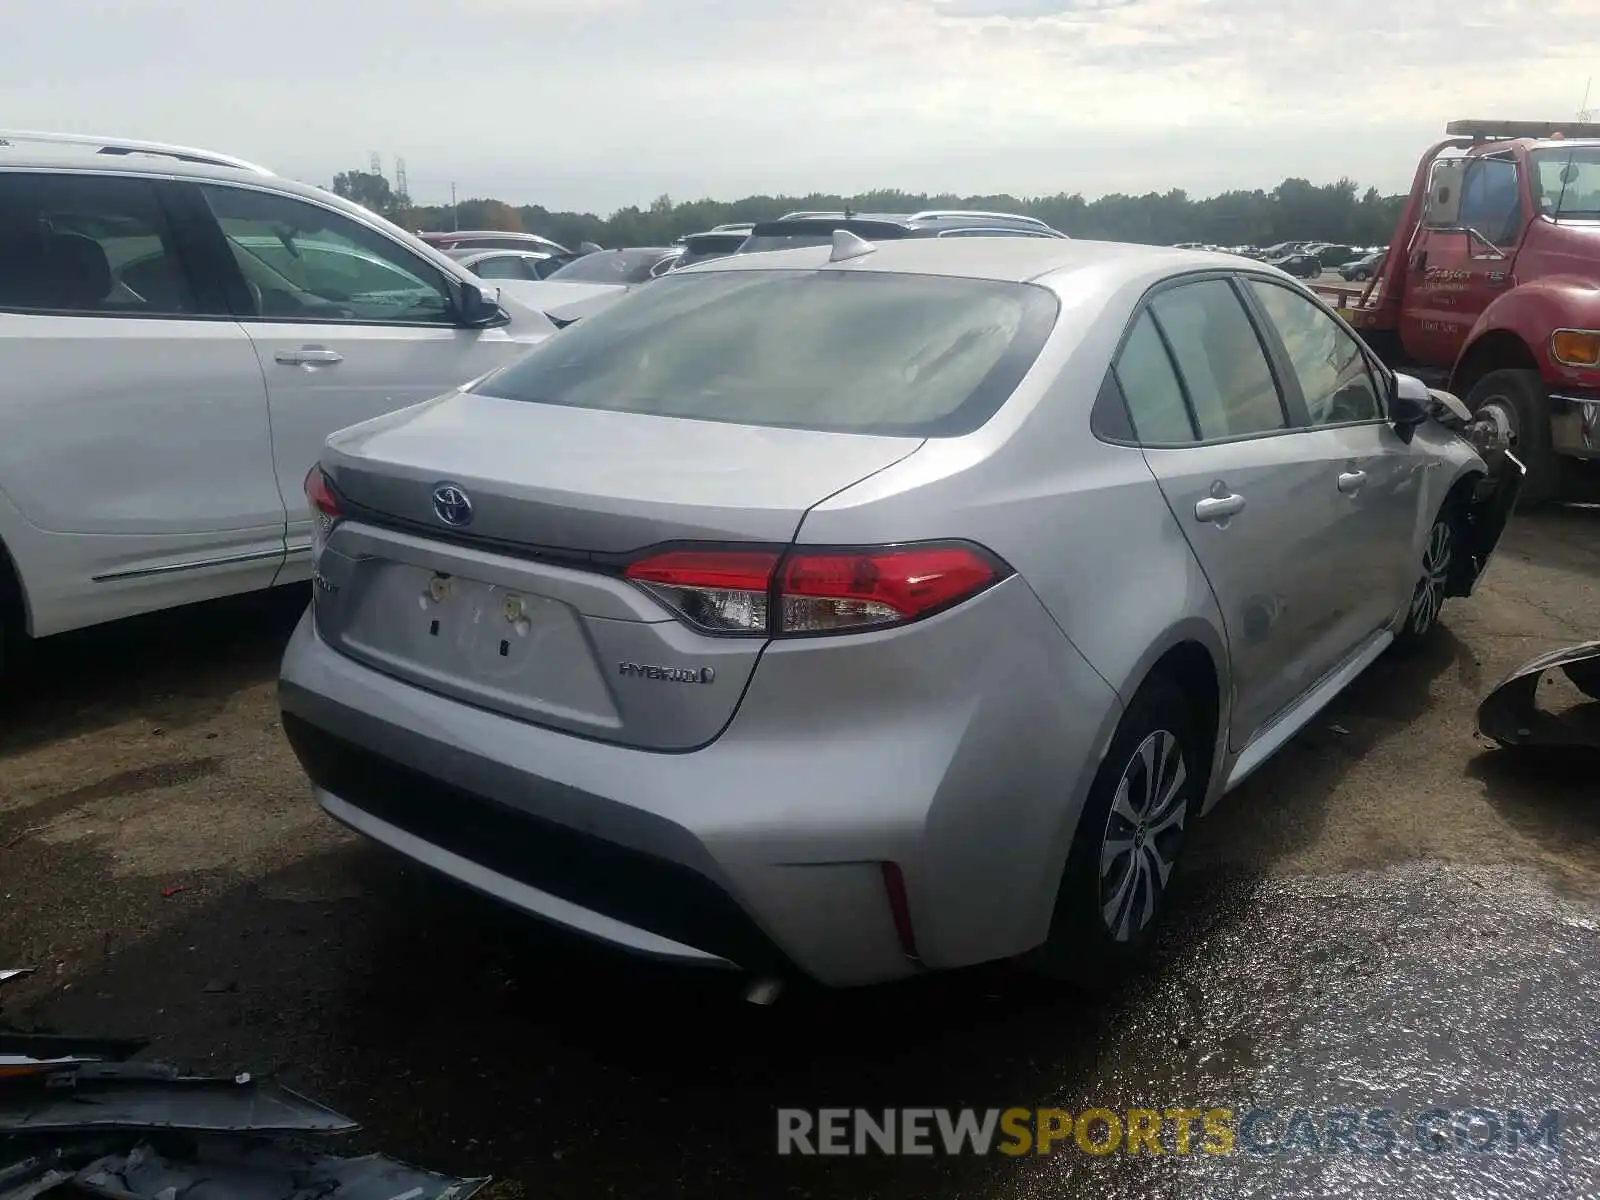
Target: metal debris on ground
<point>79,1120</point>
<point>1511,716</point>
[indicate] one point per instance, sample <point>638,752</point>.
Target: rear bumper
<point>961,751</point>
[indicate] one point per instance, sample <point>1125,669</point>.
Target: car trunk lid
<point>522,609</point>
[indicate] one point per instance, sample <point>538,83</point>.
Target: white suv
<point>179,331</point>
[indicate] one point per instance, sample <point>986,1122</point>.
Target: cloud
<point>1026,10</point>
<point>603,103</point>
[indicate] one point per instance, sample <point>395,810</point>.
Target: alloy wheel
<point>1437,556</point>
<point>1143,831</point>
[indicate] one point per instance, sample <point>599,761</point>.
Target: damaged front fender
<point>1492,496</point>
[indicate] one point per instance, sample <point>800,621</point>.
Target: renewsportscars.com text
<point>1100,1131</point>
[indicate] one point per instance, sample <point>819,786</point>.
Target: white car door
<point>135,458</point>
<point>348,323</point>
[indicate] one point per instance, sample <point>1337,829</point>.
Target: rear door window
<point>90,244</point>
<point>860,352</point>
<point>1220,358</point>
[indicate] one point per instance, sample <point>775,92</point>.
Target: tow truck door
<point>1463,255</point>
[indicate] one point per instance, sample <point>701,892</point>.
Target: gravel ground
<point>1389,913</point>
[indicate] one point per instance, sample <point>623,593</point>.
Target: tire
<point>1521,397</point>
<point>1585,676</point>
<point>1444,544</point>
<point>11,617</point>
<point>1126,841</point>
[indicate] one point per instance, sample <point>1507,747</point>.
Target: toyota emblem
<point>450,505</point>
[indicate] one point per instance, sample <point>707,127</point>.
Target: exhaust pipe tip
<point>764,991</point>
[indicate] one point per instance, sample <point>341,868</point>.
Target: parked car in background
<point>799,229</point>
<point>620,267</point>
<point>684,683</point>
<point>1364,267</point>
<point>179,332</point>
<point>1333,255</point>
<point>703,247</point>
<point>509,264</point>
<point>1302,266</point>
<point>494,239</point>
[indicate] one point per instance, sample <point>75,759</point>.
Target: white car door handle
<point>306,355</point>
<point>1218,508</point>
<point>1350,482</point>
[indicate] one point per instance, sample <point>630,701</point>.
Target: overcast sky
<point>595,104</point>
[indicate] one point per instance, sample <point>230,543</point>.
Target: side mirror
<point>1410,404</point>
<point>477,305</point>
<point>1443,207</point>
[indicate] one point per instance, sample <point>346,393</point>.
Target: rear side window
<point>856,352</point>
<point>92,244</point>
<point>1224,368</point>
<point>1150,387</point>
<point>507,266</point>
<point>1333,373</point>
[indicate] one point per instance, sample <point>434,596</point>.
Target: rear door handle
<point>306,355</point>
<point>1350,482</point>
<point>1218,508</point>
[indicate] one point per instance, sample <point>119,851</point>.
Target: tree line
<point>1296,209</point>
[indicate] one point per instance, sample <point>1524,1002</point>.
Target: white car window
<point>93,244</point>
<point>1333,373</point>
<point>302,262</point>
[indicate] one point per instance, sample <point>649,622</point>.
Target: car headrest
<point>76,273</point>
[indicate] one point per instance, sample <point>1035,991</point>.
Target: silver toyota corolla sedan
<point>857,611</point>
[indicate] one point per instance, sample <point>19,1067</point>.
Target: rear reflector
<point>894,885</point>
<point>813,591</point>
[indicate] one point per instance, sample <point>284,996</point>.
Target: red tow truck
<point>1491,290</point>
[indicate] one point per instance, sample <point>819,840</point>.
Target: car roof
<point>168,168</point>
<point>1008,259</point>
<point>474,253</point>
<point>890,224</point>
<point>1545,144</point>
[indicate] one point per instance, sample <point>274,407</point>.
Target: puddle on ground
<point>1399,1033</point>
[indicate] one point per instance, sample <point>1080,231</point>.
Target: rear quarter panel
<point>1082,521</point>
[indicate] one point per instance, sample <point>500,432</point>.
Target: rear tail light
<point>324,507</point>
<point>718,591</point>
<point>814,591</point>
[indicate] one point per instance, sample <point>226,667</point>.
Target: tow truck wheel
<point>1518,401</point>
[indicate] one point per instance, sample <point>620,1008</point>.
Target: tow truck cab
<point>1492,280</point>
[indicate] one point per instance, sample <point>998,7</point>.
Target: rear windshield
<point>914,355</point>
<point>611,266</point>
